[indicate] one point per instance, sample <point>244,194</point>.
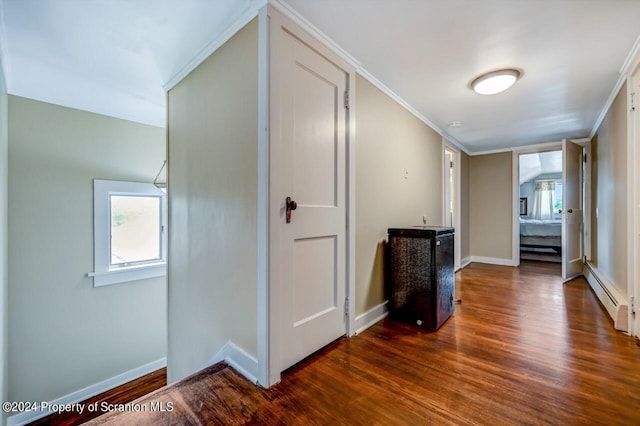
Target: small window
<point>557,198</point>
<point>129,231</point>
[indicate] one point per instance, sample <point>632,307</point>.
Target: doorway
<point>557,209</point>
<point>451,193</point>
<point>540,206</point>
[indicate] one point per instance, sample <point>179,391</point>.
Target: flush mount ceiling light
<point>495,81</point>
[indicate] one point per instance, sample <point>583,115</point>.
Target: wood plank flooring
<point>120,395</point>
<point>523,348</point>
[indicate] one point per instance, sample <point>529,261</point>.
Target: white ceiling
<point>107,56</point>
<point>114,56</point>
<point>534,165</point>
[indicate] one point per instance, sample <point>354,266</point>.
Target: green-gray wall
<point>390,140</point>
<point>64,334</point>
<point>490,201</point>
<point>609,194</point>
<point>213,160</point>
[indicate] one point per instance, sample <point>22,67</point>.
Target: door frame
<point>515,187</point>
<point>586,200</point>
<point>565,217</point>
<point>457,237</point>
<point>269,288</point>
<point>633,196</point>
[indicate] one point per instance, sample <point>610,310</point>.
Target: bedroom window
<point>557,198</point>
<point>129,232</point>
<point>543,202</point>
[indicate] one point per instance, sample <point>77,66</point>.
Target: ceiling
<point>534,165</point>
<point>114,56</point>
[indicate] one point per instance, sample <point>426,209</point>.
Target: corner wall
<point>213,146</point>
<point>490,199</point>
<point>390,140</point>
<point>609,194</point>
<point>65,334</point>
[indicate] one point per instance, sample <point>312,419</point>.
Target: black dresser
<point>421,275</point>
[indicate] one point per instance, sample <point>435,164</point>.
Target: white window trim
<point>104,273</point>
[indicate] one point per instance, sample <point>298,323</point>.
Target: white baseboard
<point>491,260</point>
<point>88,392</point>
<point>372,316</point>
<point>615,303</point>
<point>239,359</point>
<point>243,362</point>
<point>464,263</point>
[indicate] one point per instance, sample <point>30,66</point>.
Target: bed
<point>536,233</point>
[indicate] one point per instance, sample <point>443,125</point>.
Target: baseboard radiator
<point>615,303</point>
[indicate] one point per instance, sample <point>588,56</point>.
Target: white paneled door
<point>572,248</point>
<point>308,160</point>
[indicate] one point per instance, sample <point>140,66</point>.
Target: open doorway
<point>451,183</point>
<point>540,206</point>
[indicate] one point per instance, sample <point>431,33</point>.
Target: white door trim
<point>568,270</point>
<point>269,292</point>
<point>264,360</point>
<point>515,186</point>
<point>457,238</point>
<point>586,202</point>
<point>351,207</point>
<point>633,196</point>
<point>515,209</point>
<point>445,179</point>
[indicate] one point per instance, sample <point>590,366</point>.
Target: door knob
<point>569,210</point>
<point>291,205</point>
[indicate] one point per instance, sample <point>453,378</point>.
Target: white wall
<point>213,146</point>
<point>64,334</point>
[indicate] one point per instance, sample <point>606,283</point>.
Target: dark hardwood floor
<point>523,348</point>
<point>120,395</point>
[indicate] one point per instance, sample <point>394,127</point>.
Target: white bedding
<point>541,228</point>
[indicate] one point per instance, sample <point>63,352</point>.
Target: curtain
<point>543,200</point>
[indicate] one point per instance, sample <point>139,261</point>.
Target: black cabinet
<point>421,275</point>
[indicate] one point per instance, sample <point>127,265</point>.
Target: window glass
<point>135,229</point>
<point>130,232</point>
<point>557,197</point>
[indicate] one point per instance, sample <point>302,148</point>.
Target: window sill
<point>128,273</point>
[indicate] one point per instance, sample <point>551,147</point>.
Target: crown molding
<point>607,105</point>
<point>632,57</point>
<point>288,11</point>
<point>254,6</point>
<point>283,7</point>
<point>252,10</point>
<point>393,95</point>
<point>543,145</point>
